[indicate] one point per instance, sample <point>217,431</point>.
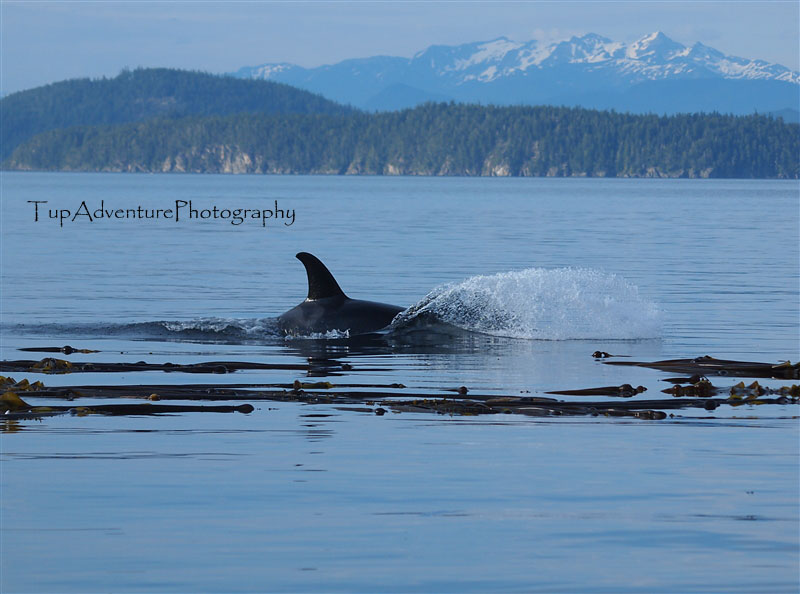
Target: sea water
<point>535,274</point>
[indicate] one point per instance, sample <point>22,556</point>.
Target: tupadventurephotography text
<point>183,211</point>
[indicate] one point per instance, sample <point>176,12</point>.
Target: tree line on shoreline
<point>432,139</point>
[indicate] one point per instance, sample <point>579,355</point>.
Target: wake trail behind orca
<point>532,304</point>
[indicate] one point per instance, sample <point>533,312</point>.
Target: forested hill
<point>433,139</point>
<point>143,94</point>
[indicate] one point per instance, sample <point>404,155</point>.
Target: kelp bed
<point>694,391</point>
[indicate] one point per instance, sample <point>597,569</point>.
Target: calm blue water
<point>280,501</point>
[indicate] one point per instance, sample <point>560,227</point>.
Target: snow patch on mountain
<point>652,57</point>
<point>491,51</point>
<point>652,74</point>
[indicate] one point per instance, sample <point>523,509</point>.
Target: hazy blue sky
<point>48,41</point>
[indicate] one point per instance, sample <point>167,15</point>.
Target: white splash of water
<point>329,335</point>
<point>560,304</point>
<point>245,326</point>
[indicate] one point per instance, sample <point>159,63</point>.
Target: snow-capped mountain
<point>654,73</point>
<point>652,57</point>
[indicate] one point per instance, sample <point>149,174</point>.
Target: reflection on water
<point>13,426</point>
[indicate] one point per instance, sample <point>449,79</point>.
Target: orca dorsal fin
<point>321,283</point>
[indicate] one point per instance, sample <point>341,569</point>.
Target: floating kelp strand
<point>51,365</point>
<point>124,410</point>
<point>707,365</point>
<point>66,349</point>
<point>407,401</point>
<point>623,391</point>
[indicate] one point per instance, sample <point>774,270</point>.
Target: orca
<point>327,307</point>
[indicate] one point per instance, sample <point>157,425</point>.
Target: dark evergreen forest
<point>161,120</point>
<point>145,93</point>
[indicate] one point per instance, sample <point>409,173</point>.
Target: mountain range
<point>654,74</point>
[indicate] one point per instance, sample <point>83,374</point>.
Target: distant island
<point>160,120</point>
